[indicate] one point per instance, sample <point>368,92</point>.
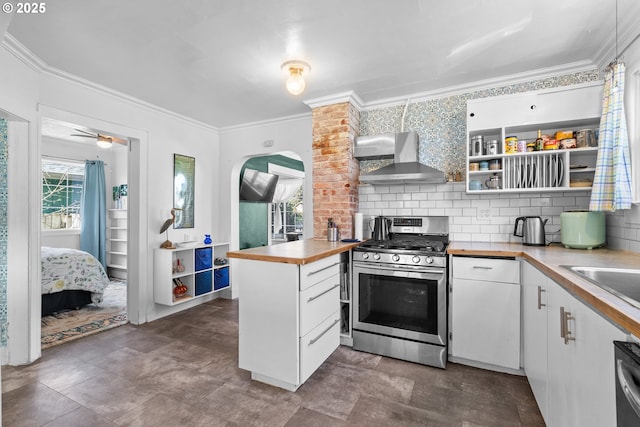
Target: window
<point>287,217</point>
<point>62,182</point>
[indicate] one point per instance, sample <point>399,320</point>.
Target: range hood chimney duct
<point>403,149</point>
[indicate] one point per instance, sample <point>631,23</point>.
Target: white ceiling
<point>218,61</point>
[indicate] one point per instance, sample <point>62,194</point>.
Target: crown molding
<point>17,49</point>
<point>479,85</point>
<point>276,121</point>
<point>338,98</point>
<point>20,51</point>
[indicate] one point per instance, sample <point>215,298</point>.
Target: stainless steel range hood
<point>403,149</point>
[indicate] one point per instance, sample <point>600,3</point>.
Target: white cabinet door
<point>534,318</point>
<point>561,358</point>
<point>581,376</point>
<point>566,105</point>
<point>594,377</point>
<point>501,111</point>
<point>485,322</point>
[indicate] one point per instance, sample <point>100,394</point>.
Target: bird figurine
<point>168,244</point>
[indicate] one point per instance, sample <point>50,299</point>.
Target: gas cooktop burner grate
<point>406,244</point>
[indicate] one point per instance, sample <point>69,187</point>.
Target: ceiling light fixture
<point>103,142</point>
<point>295,69</point>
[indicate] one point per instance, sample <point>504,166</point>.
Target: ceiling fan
<point>103,141</point>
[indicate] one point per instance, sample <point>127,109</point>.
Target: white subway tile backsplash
<point>491,217</point>
<point>531,211</point>
<point>509,211</point>
<point>470,212</point>
<point>564,201</point>
<point>463,203</point>
<point>499,203</point>
<point>540,201</point>
<point>519,202</point>
<point>427,204</point>
<point>445,204</point>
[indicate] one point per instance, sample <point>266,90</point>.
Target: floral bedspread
<point>67,269</point>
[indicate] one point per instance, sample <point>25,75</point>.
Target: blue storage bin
<point>203,282</point>
<point>221,278</point>
<point>204,257</point>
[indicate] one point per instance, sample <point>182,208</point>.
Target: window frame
<point>61,161</point>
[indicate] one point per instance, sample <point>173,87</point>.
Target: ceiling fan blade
<point>83,136</point>
<point>86,133</point>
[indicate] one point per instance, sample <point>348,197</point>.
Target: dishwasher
<point>627,366</point>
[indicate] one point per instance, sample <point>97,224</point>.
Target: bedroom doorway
<point>101,301</point>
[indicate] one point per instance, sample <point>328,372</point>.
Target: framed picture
<point>184,176</point>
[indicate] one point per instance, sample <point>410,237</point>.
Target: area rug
<point>69,325</point>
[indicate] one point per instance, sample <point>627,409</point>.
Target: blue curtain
<point>93,212</point>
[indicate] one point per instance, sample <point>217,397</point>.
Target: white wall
<point>239,144</point>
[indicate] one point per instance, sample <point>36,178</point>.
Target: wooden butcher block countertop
<point>549,260</point>
<point>296,252</point>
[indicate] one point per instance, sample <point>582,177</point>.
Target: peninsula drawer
<point>318,302</point>
<point>317,271</point>
<point>318,344</point>
<point>486,269</point>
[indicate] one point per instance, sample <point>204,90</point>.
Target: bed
<point>71,279</point>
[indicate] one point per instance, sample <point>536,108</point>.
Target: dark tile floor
<point>183,371</point>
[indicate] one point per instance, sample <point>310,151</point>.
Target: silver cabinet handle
<point>311,273</point>
<point>627,383</point>
<point>313,341</point>
<point>540,304</point>
<point>565,333</point>
<point>482,267</point>
<point>322,293</point>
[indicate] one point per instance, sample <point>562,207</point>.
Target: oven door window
<point>405,303</point>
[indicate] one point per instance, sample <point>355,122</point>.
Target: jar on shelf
<point>476,145</point>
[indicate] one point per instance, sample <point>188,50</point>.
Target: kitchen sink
<point>622,282</point>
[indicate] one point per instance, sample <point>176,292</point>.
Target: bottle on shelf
<point>539,142</point>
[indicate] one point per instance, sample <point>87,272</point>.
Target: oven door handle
<point>405,268</point>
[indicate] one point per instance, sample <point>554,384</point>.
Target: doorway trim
<point>138,269</point>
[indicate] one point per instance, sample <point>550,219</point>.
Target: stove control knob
<point>416,259</point>
<point>429,260</point>
<point>395,257</point>
<point>365,255</point>
<point>376,257</point>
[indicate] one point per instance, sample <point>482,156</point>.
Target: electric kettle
<point>381,228</point>
<point>532,231</point>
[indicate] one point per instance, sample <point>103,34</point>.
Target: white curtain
<point>612,179</point>
<point>285,190</point>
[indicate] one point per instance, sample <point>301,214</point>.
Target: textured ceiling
<point>218,61</point>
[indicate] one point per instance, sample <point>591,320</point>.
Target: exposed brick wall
<point>335,170</point>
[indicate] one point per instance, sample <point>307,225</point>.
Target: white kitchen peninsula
<point>289,311</point>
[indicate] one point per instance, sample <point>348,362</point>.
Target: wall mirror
<point>184,190</point>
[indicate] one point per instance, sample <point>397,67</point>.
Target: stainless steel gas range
<point>400,291</point>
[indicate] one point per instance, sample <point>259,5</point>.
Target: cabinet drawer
<point>318,344</point>
<point>488,269</point>
<point>318,302</point>
<point>315,272</point>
